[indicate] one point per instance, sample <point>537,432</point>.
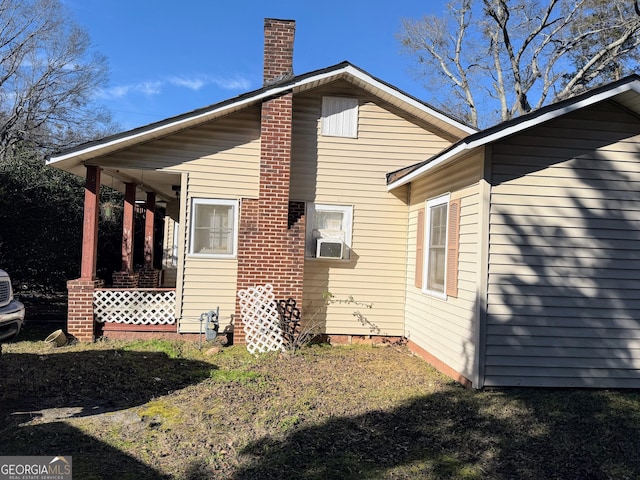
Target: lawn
<point>161,409</point>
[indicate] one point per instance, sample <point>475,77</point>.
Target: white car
<point>11,310</point>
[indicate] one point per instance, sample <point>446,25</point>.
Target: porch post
<point>149,277</point>
<point>80,321</point>
<point>126,278</point>
<point>149,219</point>
<point>90,224</point>
<point>128,227</point>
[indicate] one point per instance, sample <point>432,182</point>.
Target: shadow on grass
<point>37,392</point>
<point>462,434</point>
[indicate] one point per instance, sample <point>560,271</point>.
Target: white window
<point>214,227</point>
<point>329,231</point>
<point>340,117</point>
<point>436,246</point>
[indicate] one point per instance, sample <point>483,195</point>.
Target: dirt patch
<point>164,409</point>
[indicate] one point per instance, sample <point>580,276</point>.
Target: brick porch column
<point>80,321</point>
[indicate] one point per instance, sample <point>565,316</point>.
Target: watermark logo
<point>36,468</point>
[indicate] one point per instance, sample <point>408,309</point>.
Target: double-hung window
<point>437,247</point>
<point>214,227</point>
<point>328,231</point>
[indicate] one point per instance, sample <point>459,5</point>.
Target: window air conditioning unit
<point>329,248</point>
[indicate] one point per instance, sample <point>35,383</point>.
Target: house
<point>504,257</point>
<point>270,183</point>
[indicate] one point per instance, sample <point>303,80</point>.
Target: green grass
<point>164,409</point>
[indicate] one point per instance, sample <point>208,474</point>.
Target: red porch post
<point>90,223</point>
<point>149,219</point>
<point>149,277</point>
<point>128,227</point>
<point>126,278</point>
<point>80,322</point>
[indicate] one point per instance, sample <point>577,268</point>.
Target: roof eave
<point>528,121</point>
<point>143,134</point>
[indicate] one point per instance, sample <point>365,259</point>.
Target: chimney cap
<point>284,20</point>
<point>278,50</point>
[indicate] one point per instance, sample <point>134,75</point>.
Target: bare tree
<point>48,75</point>
<point>507,57</point>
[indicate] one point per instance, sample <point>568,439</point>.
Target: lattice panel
<point>136,307</point>
<point>261,320</point>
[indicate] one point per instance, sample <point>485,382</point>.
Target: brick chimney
<point>271,233</point>
<point>278,50</point>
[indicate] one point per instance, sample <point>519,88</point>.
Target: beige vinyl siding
<point>368,289</point>
<point>446,328</point>
<point>231,172</point>
<point>222,161</point>
<point>564,257</point>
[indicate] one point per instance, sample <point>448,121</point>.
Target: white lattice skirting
<point>135,307</point>
<point>261,319</point>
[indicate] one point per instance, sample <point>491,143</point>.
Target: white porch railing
<point>141,306</point>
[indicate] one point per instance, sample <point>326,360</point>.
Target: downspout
<point>406,263</point>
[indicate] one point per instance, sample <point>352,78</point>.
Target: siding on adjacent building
<point>564,258</point>
<point>446,328</point>
<point>352,171</point>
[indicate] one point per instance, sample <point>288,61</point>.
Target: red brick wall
<point>278,49</point>
<point>125,279</point>
<point>272,230</point>
<point>149,278</point>
<point>80,322</point>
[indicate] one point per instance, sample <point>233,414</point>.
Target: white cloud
<point>150,88</point>
<point>232,83</point>
<point>195,83</point>
<point>155,87</point>
<point>198,81</point>
<point>119,91</point>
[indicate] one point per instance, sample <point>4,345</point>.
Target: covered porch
<point>140,298</point>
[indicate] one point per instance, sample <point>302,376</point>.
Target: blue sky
<point>168,58</point>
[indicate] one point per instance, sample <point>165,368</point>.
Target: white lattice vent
<point>136,307</point>
<point>261,320</point>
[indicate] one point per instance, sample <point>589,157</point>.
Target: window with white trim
<point>328,231</point>
<point>435,269</point>
<point>214,227</point>
<point>340,117</point>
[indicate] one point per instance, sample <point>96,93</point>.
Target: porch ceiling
<point>162,183</point>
